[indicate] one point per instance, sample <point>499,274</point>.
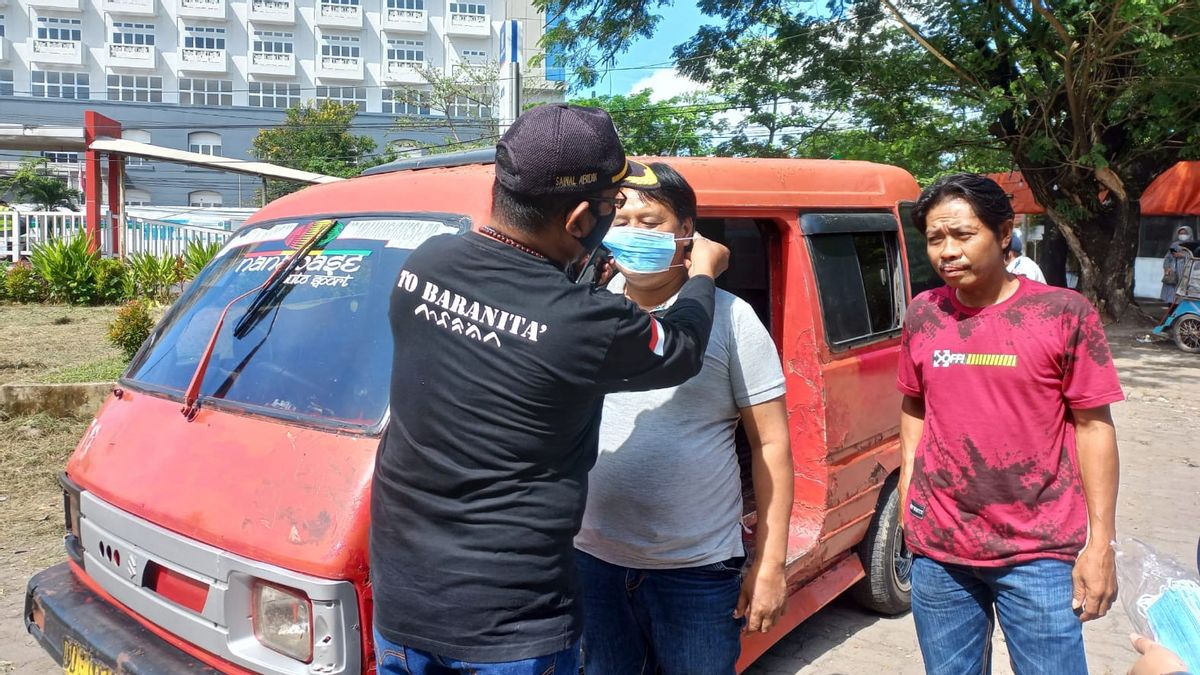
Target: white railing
<point>203,55</point>
<point>21,232</point>
<point>60,47</point>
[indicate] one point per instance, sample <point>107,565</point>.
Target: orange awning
<point>1018,192</point>
<point>1176,192</point>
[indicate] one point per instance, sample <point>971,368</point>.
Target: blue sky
<point>679,23</point>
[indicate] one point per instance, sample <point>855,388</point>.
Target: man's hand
<point>707,257</point>
<point>1095,577</point>
<point>763,597</point>
<point>1156,659</point>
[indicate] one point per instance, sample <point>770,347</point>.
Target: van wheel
<point>1187,333</point>
<point>887,588</point>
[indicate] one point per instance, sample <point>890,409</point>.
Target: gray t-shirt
<point>666,491</point>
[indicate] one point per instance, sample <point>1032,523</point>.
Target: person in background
<point>1173,263</point>
<point>1008,523</point>
<point>1020,264</point>
<point>660,551</point>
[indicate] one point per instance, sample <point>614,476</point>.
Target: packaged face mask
<point>1174,617</point>
<point>642,251</point>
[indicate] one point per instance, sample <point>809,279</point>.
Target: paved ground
<point>1159,503</point>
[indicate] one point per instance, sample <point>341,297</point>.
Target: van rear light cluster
<point>282,620</point>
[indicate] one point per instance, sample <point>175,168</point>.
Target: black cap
<point>566,149</point>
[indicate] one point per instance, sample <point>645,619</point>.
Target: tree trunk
<point>1105,244</point>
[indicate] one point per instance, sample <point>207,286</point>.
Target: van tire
<point>887,588</point>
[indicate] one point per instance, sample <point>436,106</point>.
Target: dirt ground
<point>43,339</point>
<point>1159,503</point>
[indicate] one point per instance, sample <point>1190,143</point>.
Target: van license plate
<point>78,661</point>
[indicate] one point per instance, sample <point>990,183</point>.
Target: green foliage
<point>680,125</point>
<point>314,137</point>
<point>443,94</point>
<point>197,255</point>
<point>68,268</point>
<point>152,277</point>
<point>33,182</point>
<point>131,327</point>
<point>1090,100</point>
<point>111,286</point>
<point>106,370</point>
<point>22,284</point>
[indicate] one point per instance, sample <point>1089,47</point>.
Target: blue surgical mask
<point>642,251</point>
<point>1175,619</point>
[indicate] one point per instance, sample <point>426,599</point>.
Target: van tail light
<point>282,619</point>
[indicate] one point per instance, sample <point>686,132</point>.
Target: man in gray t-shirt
<point>660,549</point>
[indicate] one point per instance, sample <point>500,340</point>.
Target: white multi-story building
<point>206,75</point>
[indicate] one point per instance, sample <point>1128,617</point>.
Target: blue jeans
<point>955,609</point>
<point>677,622</point>
<point>394,659</point>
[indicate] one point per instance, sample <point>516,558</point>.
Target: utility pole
<point>510,74</point>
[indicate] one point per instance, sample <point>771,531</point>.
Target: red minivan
<point>217,506</point>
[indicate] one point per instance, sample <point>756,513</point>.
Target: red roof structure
<point>1174,193</point>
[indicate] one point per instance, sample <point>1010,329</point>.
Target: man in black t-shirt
<point>501,365</point>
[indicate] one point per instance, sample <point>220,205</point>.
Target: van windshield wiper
<point>268,290</point>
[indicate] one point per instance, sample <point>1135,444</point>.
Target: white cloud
<point>665,84</point>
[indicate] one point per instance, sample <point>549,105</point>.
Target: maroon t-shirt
<point>996,479</point>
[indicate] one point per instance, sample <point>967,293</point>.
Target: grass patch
<point>45,339</point>
<point>106,370</point>
<point>33,450</point>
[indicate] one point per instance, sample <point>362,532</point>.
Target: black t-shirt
<point>501,366</point>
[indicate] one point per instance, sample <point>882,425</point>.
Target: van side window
<point>856,259</point>
<point>921,275</point>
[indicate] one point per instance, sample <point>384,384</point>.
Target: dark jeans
<point>677,622</point>
<point>394,659</point>
<point>955,609</point>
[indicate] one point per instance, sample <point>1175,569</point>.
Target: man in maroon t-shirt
<point>1009,472</point>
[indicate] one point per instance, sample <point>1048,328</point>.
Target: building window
<point>345,3</point>
<point>412,51</point>
<point>860,280</point>
<point>271,42</point>
<point>202,198</point>
<point>56,84</point>
<point>355,95</point>
<point>137,136</point>
<point>205,142</point>
<point>474,55</point>
<point>6,83</point>
<point>55,28</point>
<point>414,5</point>
<point>195,91</point>
<point>274,95</point>
<point>1,25</point>
<point>340,46</point>
<point>468,8</point>
<point>141,88</point>
<point>465,106</point>
<point>61,157</point>
<point>401,103</point>
<point>124,33</point>
<point>204,37</point>
<point>136,197</point>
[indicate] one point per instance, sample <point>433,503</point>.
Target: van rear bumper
<point>58,607</point>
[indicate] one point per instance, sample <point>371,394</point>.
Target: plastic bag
<point>1162,599</point>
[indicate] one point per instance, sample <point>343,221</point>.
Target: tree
<point>33,182</point>
<point>1090,100</point>
<point>315,137</point>
<point>461,102</point>
<point>680,125</point>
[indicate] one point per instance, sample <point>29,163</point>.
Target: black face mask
<point>591,242</point>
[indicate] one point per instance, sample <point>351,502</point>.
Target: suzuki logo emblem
<point>131,567</point>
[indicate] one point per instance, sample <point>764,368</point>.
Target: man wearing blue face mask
<point>660,549</point>
<point>481,477</point>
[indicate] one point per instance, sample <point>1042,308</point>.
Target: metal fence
<point>21,232</point>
